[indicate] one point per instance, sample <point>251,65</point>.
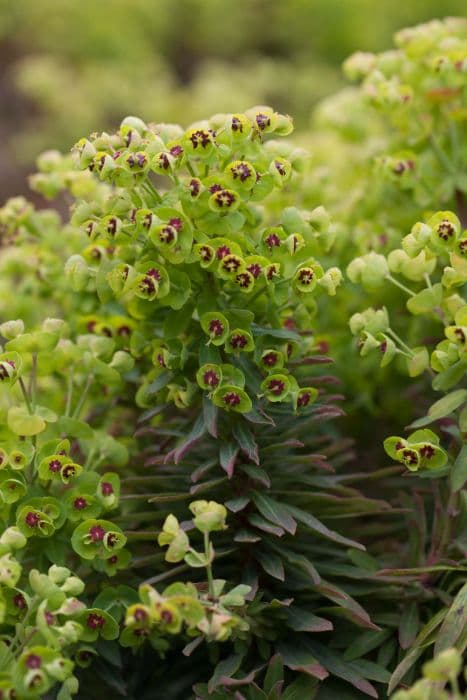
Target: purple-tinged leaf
<point>246,441</point>
<point>196,432</point>
<point>235,505</point>
<point>227,457</point>
<point>303,621</point>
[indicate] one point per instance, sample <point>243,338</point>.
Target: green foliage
<point>177,432</point>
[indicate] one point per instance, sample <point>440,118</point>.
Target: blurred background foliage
<point>68,67</point>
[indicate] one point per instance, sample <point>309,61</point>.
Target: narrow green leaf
<point>317,526</point>
<point>275,512</point>
<point>459,470</point>
<point>301,620</point>
<point>409,625</point>
<point>405,665</point>
<point>227,667</point>
<point>271,563</point>
<point>454,624</point>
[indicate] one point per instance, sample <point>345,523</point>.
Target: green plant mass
<point>233,400</point>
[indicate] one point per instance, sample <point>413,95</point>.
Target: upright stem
<point>33,380</point>
<point>25,396</point>
<point>82,399</point>
<point>208,565</point>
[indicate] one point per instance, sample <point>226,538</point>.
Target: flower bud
<point>10,329</point>
<point>209,515</point>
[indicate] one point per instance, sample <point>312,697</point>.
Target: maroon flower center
<point>194,187</point>
<point>80,503</point>
<point>280,167</point>
<point>123,331</point>
<point>163,160</point>
<point>262,121</point>
<point>176,151</point>
<point>147,285</point>
<point>244,280</point>
<point>20,601</point>
<point>33,661</point>
<point>459,333</point>
<point>215,188</point>
<point>242,171</point>
<point>154,273</point>
<point>445,230</point>
<point>383,346</point>
<point>270,359</point>
<point>205,253</point>
<point>147,221</point>
<point>271,272</point>
<point>161,361</point>
<point>231,263</point>
<point>463,247</point>
<point>167,234</point>
<point>306,276</point>
<point>95,621</point>
<point>112,539</point>
<point>427,451</point>
<point>136,159</point>
<point>113,559</point>
<point>222,251</point>
<point>237,124</point>
<point>32,519</point>
<point>55,465</point>
<point>97,533</point>
<point>176,223</point>
<point>304,398</point>
<point>216,328</point>
<point>166,616</point>
<point>224,198</point>
<point>49,618</point>
<point>238,341</point>
<point>254,269</point>
<point>106,488</point>
<point>210,378</point>
<point>140,615</point>
<point>200,138</point>
<point>276,386</point>
<point>231,398</point>
<point>69,471</point>
<point>273,240</point>
<point>112,226</point>
<point>410,456</point>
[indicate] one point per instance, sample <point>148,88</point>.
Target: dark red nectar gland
<point>210,378</point>
<point>97,533</point>
<point>216,328</point>
<point>231,398</point>
<point>95,621</point>
<point>276,387</point>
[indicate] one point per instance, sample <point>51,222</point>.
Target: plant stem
<point>25,396</point>
<point>400,341</point>
<point>69,393</point>
<point>400,285</point>
<point>32,380</point>
<point>83,396</point>
<point>208,565</point>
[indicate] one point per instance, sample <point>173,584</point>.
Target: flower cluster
<point>184,245</point>
<point>208,614</point>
